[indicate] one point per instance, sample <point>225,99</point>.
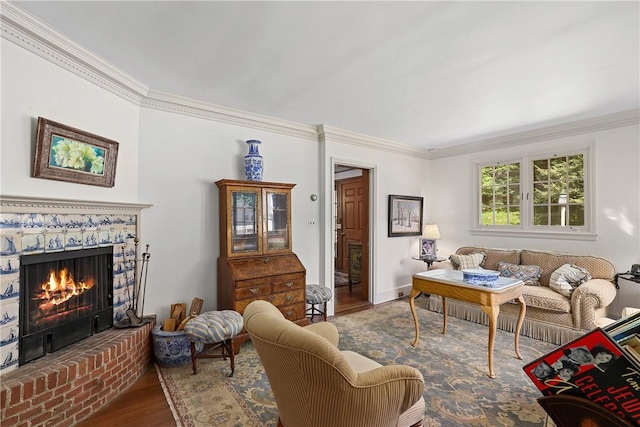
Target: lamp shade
<point>431,231</point>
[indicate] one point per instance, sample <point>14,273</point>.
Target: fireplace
<point>68,296</point>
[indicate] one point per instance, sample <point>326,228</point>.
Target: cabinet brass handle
<point>290,313</point>
<point>266,260</point>
<point>271,298</point>
<point>254,290</point>
<point>288,297</point>
<point>288,284</point>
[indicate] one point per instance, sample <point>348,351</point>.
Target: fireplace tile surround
<point>36,225</point>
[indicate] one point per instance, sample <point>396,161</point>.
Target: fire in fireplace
<point>65,297</point>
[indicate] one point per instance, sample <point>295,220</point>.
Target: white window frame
<point>526,228</point>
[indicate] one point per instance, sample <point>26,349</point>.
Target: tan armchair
<point>315,384</point>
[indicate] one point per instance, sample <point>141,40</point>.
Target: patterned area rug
<point>458,391</point>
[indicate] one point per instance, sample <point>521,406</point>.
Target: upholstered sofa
<point>317,385</point>
<point>550,316</point>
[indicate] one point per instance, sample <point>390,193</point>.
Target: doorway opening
<point>351,238</point>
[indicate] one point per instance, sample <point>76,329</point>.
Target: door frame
<point>328,225</point>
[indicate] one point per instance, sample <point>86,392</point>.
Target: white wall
<point>32,87</point>
<point>391,173</point>
<point>181,159</point>
<point>617,182</point>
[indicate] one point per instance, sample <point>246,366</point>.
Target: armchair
<point>315,384</point>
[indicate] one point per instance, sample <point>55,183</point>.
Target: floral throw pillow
<point>529,274</point>
<point>475,260</point>
<point>567,278</point>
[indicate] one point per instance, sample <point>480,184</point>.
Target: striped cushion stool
<point>214,329</point>
<point>317,294</point>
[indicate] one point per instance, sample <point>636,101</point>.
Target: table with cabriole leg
<point>450,284</point>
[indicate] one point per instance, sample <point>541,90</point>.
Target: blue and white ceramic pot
<point>253,162</point>
<point>172,348</point>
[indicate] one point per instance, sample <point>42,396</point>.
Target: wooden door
<point>349,217</point>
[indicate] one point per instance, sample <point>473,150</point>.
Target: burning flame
<point>61,287</point>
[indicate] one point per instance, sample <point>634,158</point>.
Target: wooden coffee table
<point>449,284</point>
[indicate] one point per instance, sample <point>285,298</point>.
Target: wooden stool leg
<point>231,355</point>
<point>313,309</point>
<point>325,311</point>
<point>193,357</point>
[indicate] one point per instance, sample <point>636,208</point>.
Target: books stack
<point>603,366</point>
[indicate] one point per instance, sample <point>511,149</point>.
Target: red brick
<point>40,385</point>
<point>74,409</point>
<point>52,380</point>
<point>27,391</point>
<point>53,402</point>
<point>62,389</point>
<point>63,375</point>
<point>83,414</point>
<point>60,420</point>
<point>17,409</point>
<point>16,395</point>
<point>73,371</point>
<point>42,398</point>
<point>27,415</point>
<point>81,397</point>
<point>3,398</point>
<point>41,419</point>
<point>10,422</point>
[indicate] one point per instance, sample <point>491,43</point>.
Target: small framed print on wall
<point>405,215</point>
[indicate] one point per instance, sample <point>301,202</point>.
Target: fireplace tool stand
<point>139,293</point>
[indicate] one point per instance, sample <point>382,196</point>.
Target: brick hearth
<point>67,386</point>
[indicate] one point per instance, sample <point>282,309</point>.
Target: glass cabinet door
<point>277,221</point>
<point>245,221</point>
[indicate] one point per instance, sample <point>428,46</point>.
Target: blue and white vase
<point>253,162</point>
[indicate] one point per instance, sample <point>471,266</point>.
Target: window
<point>535,194</point>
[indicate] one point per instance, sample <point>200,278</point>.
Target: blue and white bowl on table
<point>480,276</point>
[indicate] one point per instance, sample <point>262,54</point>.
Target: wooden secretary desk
<point>256,259</point>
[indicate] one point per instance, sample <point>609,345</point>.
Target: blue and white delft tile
<point>131,278</point>
<point>121,297</point>
<point>9,265</point>
<point>10,221</point>
<point>55,222</point>
<point>131,220</point>
<point>118,220</point>
<point>119,268</point>
<point>90,223</point>
<point>32,222</point>
<point>90,239</point>
<point>119,236</point>
<point>8,358</point>
<point>105,237</point>
<point>119,281</point>
<point>9,334</point>
<point>73,240</point>
<point>74,222</point>
<point>11,242</point>
<point>54,242</point>
<point>119,314</point>
<point>105,220</point>
<point>9,310</point>
<point>130,234</point>
<point>9,286</point>
<point>33,243</point>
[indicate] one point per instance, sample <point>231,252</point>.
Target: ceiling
<point>427,74</point>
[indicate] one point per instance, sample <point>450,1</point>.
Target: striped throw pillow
<point>567,278</point>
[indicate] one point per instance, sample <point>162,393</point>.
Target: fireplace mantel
<point>25,204</point>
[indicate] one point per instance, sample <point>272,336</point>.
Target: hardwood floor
<point>144,403</point>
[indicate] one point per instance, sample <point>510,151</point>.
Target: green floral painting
<point>69,154</point>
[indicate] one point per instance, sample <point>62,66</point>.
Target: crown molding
<point>177,104</point>
<point>580,127</point>
<point>328,133</point>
